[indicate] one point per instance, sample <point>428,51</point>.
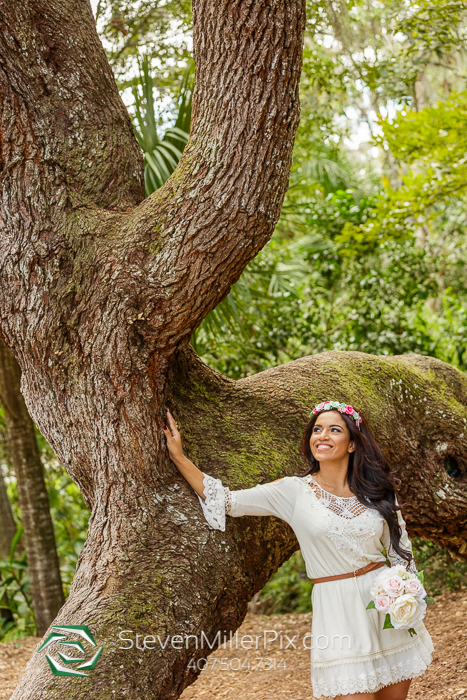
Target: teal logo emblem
<point>73,647</point>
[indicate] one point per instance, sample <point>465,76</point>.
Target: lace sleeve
<point>217,502</point>
<point>405,542</point>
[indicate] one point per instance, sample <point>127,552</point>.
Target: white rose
<point>376,589</point>
<point>414,587</point>
<point>393,585</point>
<point>377,583</point>
<point>406,611</point>
<point>397,570</point>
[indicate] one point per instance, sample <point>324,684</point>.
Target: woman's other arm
<point>405,542</point>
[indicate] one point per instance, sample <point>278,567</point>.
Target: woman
<point>342,510</point>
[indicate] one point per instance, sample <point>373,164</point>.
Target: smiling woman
<point>330,446</point>
<point>344,455</point>
<point>343,510</point>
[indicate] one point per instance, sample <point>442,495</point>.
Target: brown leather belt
<point>357,572</point>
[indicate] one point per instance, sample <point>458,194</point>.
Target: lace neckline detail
<point>347,507</point>
<point>346,521</point>
<point>328,493</point>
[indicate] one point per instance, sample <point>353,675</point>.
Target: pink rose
<point>320,407</point>
<point>393,585</point>
<point>383,602</point>
<point>414,587</point>
<point>349,410</point>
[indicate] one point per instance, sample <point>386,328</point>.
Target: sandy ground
<point>284,674</point>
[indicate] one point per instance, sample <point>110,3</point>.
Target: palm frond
<point>161,154</point>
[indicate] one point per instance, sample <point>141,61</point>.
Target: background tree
<point>7,533</point>
<point>44,572</point>
<point>8,525</point>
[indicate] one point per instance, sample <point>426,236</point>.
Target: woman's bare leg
<point>395,691</point>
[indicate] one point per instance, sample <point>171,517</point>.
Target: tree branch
<point>221,205</point>
<point>174,257</point>
<point>63,123</point>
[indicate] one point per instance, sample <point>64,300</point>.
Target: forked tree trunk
<point>39,538</point>
<point>100,293</point>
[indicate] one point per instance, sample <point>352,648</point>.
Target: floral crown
<point>341,407</point>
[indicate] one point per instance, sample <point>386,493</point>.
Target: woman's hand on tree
<point>190,471</point>
<point>173,437</point>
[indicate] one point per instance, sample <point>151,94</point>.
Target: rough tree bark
<point>39,538</point>
<point>100,293</point>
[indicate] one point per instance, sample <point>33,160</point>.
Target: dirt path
<point>445,679</point>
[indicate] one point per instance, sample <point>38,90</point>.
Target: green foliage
<point>434,142</point>
<point>289,590</point>
<point>442,571</point>
<point>313,297</point>
<point>361,261</point>
<point>161,155</point>
<point>70,517</point>
<point>69,513</point>
<point>15,596</point>
<point>131,28</point>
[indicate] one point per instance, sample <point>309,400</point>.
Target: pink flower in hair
<point>349,410</point>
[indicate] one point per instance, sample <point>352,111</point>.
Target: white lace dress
<point>350,652</point>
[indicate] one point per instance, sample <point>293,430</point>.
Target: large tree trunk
<point>100,293</point>
<point>39,538</point>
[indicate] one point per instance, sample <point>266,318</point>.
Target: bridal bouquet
<point>401,595</point>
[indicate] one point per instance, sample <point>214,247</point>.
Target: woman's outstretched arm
<point>276,498</point>
<point>174,444</point>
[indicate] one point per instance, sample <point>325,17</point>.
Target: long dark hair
<point>369,476</point>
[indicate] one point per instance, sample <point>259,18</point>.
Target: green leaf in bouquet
<point>419,575</point>
<point>370,605</point>
<point>412,631</point>
<point>429,600</point>
<point>387,622</point>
